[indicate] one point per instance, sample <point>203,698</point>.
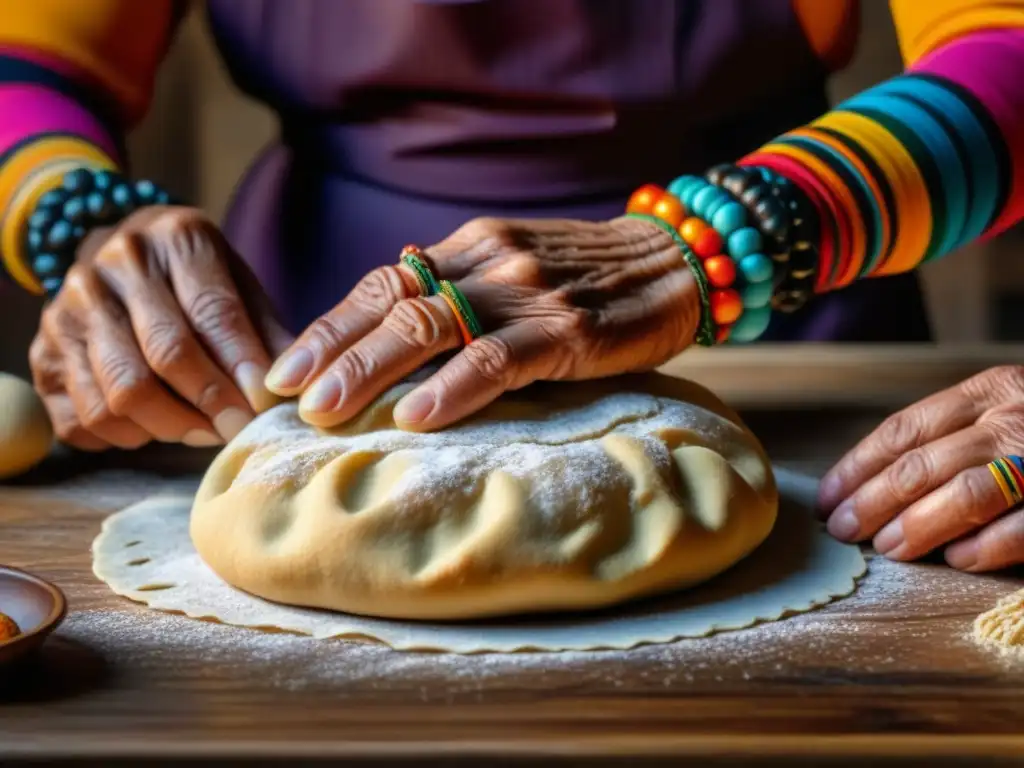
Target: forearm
<point>47,135</point>
<point>898,175</point>
<point>73,77</point>
<point>915,167</point>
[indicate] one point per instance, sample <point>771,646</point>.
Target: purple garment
<point>402,119</point>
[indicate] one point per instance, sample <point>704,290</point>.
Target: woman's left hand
<point>920,481</point>
<point>556,300</point>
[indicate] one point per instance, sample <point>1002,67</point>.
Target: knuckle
<point>380,288</point>
<point>78,282</point>
<point>489,235</point>
<point>486,228</point>
<point>95,414</point>
<point>63,319</point>
<point>1004,431</point>
<point>971,490</point>
<point>50,319</point>
<point>1009,378</point>
<point>184,234</point>
<point>416,322</point>
<point>215,313</point>
<point>900,432</point>
<point>492,357</point>
<point>209,397</point>
<point>574,325</point>
<point>126,385</point>
<point>165,346</point>
<point>1002,381</point>
<point>356,365</point>
<point>122,250</point>
<point>322,333</point>
<point>38,353</point>
<point>909,477</point>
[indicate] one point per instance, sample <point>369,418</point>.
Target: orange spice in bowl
<point>8,628</point>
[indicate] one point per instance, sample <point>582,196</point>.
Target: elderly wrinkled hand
<point>554,299</point>
<point>159,332</point>
<point>941,473</point>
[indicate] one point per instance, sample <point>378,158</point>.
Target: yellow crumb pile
<point>1003,625</point>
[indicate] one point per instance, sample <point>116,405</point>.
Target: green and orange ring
<point>469,324</point>
<point>412,257</point>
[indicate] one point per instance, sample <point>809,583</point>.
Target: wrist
<point>71,219</point>
<point>697,316</point>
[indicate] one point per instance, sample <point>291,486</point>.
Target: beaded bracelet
<point>797,287</point>
<point>705,328</point>
<point>719,222</point>
<point>783,218</point>
<point>85,200</point>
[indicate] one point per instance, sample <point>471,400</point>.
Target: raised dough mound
<point>561,496</point>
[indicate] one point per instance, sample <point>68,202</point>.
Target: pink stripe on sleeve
<point>990,65</point>
<point>29,110</point>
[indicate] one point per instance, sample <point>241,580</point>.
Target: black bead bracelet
<point>85,200</point>
<point>797,287</point>
<point>787,223</point>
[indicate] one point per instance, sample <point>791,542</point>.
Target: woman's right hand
<point>160,332</point>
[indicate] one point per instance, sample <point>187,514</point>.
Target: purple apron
<point>402,119</point>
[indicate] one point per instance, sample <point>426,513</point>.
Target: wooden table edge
<point>62,746</point>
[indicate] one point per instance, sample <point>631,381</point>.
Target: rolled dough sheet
<point>144,553</point>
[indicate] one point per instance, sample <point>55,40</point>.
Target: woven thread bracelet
<point>705,330</point>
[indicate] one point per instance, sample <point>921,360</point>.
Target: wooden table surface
<point>890,677</point>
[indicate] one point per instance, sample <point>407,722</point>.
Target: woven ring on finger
<point>469,324</point>
<point>412,257</point>
<point>1008,472</point>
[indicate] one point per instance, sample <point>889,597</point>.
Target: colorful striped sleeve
<point>73,77</point>
<point>925,162</point>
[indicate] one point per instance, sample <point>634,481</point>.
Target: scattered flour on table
<point>845,635</point>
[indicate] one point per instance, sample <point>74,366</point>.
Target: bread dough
<point>561,497</point>
<point>25,432</point>
<point>144,553</point>
<point>1003,625</point>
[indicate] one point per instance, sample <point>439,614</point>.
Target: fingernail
<point>324,395</point>
<point>829,493</point>
<point>200,438</point>
<point>414,407</point>
<point>843,524</point>
<point>250,379</point>
<point>231,421</point>
<point>290,371</point>
<point>963,555</point>
<point>889,539</point>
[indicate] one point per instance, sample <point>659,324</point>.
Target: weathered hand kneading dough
<point>562,496</point>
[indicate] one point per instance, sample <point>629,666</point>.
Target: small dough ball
<point>26,435</point>
<point>8,629</point>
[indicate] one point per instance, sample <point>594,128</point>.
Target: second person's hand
<point>160,332</point>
